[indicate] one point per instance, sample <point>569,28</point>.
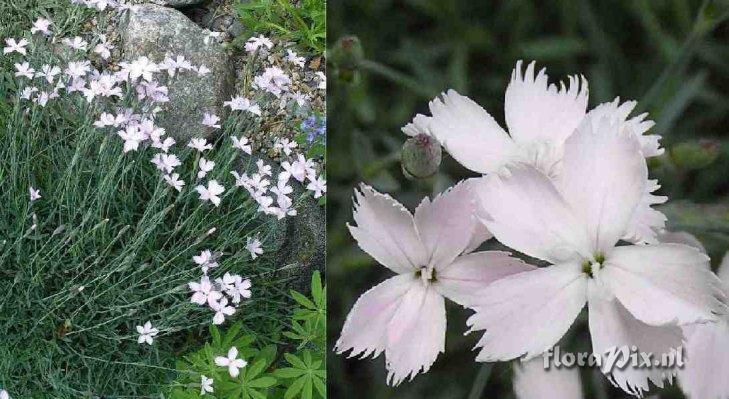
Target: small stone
<point>157,32</point>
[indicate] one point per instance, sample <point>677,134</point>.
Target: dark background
<point>670,55</point>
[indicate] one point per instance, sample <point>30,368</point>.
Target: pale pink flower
<point>41,25</point>
<point>532,381</point>
<point>540,117</point>
<point>147,333</point>
<point>205,167</point>
<point>242,144</point>
<point>211,193</point>
<point>253,246</point>
<point>231,362</point>
<point>636,294</point>
<point>204,292</point>
<point>404,316</point>
<point>25,70</point>
<point>211,120</point>
<point>199,144</point>
<point>174,181</point>
<point>254,43</point>
<point>221,310</point>
<point>13,46</point>
<point>318,186</point>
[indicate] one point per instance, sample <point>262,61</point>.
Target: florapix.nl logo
<point>616,357</point>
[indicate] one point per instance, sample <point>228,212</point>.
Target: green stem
<point>479,384</point>
<point>397,77</point>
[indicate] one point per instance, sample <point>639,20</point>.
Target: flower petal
<point>526,212</point>
<point>707,361</point>
<point>525,314</point>
<point>646,221</point>
<point>649,144</point>
<point>612,326</point>
<point>365,329</point>
<point>664,283</point>
<point>447,224</point>
<point>467,132</point>
<point>604,178</point>
<point>537,111</point>
<point>386,231</point>
<point>681,237</point>
<point>533,381</point>
<point>416,334</point>
<point>463,280</point>
<point>723,271</point>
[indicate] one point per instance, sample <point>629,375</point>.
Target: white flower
<point>27,92</point>
<point>202,70</point>
<point>199,144</point>
<point>285,145</point>
<point>231,362</point>
<point>205,167</point>
<point>13,46</point>
<point>263,169</point>
<point>221,310</point>
<point>637,295</point>
<point>41,25</point>
<point>132,137</point>
<point>103,49</point>
<point>429,251</point>
<point>285,207</point>
<point>707,351</point>
<point>294,58</point>
<point>258,183</point>
<point>255,43</point>
<point>539,117</point>
<point>206,385</point>
<point>78,69</point>
<point>147,333</point>
<point>211,192</point>
<point>532,381</point>
<point>242,144</point>
<point>241,180</point>
<point>34,194</point>
<point>297,170</point>
<point>273,80</point>
<point>165,144</point>
<point>211,120</point>
<point>4,394</point>
<point>173,64</point>
<point>174,181</point>
<point>77,43</point>
<point>142,67</point>
<point>282,188</point>
<point>242,104</point>
<point>49,72</point>
<point>203,292</point>
<point>253,245</point>
<point>241,289</point>
<point>206,260</point>
<point>318,186</point>
<point>166,162</point>
<point>24,69</point>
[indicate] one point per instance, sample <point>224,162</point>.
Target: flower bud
<point>693,155</point>
<point>421,156</point>
<point>346,56</point>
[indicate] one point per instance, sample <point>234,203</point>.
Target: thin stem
<point>397,77</point>
<point>479,384</point>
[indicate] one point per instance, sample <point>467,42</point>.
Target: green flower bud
<point>421,157</point>
<point>693,155</point>
<point>346,56</point>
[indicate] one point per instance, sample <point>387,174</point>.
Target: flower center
<point>592,266</point>
<point>426,275</point>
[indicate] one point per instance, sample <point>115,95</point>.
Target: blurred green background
<point>670,55</point>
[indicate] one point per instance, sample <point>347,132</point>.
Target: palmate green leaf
<point>303,300</point>
<point>295,361</point>
<point>295,388</point>
<point>289,372</point>
<point>317,289</point>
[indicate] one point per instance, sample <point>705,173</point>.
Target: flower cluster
<point>564,185</point>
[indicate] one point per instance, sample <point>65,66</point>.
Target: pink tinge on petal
<point>365,330</point>
<point>707,361</point>
<point>386,231</point>
<point>416,334</point>
<point>463,280</point>
<point>527,313</point>
<point>612,326</point>
<point>664,283</point>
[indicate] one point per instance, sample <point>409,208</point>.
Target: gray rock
<point>180,3</point>
<point>156,32</point>
<point>300,241</point>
